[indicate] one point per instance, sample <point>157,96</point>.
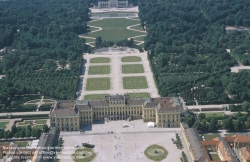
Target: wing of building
<point>112,3</point>
<point>68,115</point>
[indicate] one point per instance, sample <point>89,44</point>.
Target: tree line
<point>48,51</point>
<point>188,48</point>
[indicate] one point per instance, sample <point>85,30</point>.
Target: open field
<point>95,97</point>
<point>41,121</point>
<point>114,29</point>
<point>210,136</point>
<point>137,82</point>
<point>139,38</point>
<point>137,27</point>
<point>131,59</point>
<point>216,114</point>
<point>139,95</point>
<point>132,68</point>
<point>34,101</point>
<point>100,60</point>
<point>3,124</point>
<point>98,84</point>
<point>104,69</point>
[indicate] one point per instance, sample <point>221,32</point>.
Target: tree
<point>228,124</point>
<point>201,116</point>
<point>27,133</point>
<point>45,128</point>
<point>245,106</point>
<point>189,119</point>
<point>98,41</point>
<point>213,125</point>
<point>36,132</point>
<point>14,129</point>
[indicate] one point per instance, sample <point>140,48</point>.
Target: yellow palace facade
<point>68,115</point>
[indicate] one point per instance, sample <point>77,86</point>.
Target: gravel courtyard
<point>116,75</point>
<point>124,144</point>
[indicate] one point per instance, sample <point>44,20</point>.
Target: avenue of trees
<point>236,122</point>
<point>187,43</point>
<point>44,35</point>
<point>21,132</point>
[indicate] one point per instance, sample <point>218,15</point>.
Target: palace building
<point>68,115</point>
<point>112,3</point>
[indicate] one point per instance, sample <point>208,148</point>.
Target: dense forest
<point>48,52</point>
<point>188,42</point>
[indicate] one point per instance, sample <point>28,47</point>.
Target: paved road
<point>226,112</point>
<point>26,113</point>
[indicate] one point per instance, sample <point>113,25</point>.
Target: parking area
<point>115,143</point>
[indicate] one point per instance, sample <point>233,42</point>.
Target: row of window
<point>116,113</point>
<point>66,124</point>
<point>168,120</point>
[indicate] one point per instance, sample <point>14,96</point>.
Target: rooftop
<point>164,104</point>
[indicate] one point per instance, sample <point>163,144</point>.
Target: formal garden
<point>94,70</point>
<point>83,155</point>
<point>156,152</point>
<point>138,82</point>
<point>131,59</point>
<point>132,68</point>
<point>114,30</point>
<point>33,123</point>
<point>98,84</point>
<point>100,60</point>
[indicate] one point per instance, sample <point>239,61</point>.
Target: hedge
<point>46,107</point>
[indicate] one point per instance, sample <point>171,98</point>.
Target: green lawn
<point>114,29</point>
<point>139,38</point>
<point>89,40</point>
<point>138,82</point>
<point>77,156</point>
<point>210,136</point>
<point>100,60</point>
<point>98,84</point>
<point>38,126</point>
<point>95,97</point>
<point>214,157</point>
<point>20,123</point>
<point>104,69</point>
<point>132,68</point>
<point>139,95</point>
<point>137,27</point>
<point>41,121</point>
<point>34,101</point>
<point>48,100</point>
<point>216,114</point>
<point>3,124</point>
<point>156,158</point>
<point>21,143</point>
<point>131,59</point>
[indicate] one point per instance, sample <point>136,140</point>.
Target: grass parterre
<point>114,29</point>
<point>132,68</point>
<point>98,84</point>
<point>131,59</point>
<point>95,97</point>
<point>138,82</point>
<point>100,60</point>
<point>94,70</point>
<point>156,152</point>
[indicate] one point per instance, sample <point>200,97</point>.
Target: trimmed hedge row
<point>26,116</point>
<point>46,107</point>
